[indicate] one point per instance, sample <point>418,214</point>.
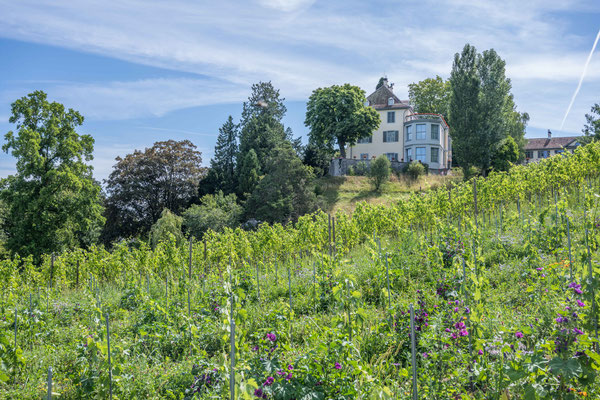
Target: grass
<point>344,192</point>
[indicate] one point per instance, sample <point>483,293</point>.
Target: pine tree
<point>223,164</point>
<point>249,173</point>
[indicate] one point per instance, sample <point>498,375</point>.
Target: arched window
<point>391,101</point>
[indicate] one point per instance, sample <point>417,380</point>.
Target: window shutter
<point>395,136</point>
<point>384,136</point>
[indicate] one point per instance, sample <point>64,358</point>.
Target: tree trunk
<point>343,149</point>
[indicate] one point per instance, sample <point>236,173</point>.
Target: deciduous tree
<point>338,115</point>
<point>214,212</point>
<point>591,129</point>
<point>52,202</point>
<point>143,184</point>
<point>431,95</point>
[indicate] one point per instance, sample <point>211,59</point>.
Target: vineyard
<point>485,289</point>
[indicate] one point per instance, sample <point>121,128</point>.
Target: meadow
<point>485,289</point>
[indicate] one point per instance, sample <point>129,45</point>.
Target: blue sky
<point>145,70</point>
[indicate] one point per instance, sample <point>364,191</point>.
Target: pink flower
<point>519,335</point>
<point>338,365</point>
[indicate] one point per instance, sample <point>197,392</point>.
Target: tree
<point>482,110</point>
<point>214,212</point>
<point>506,156</point>
<point>338,114</point>
<point>143,184</point>
<point>591,129</point>
<point>380,171</point>
<point>249,174</point>
<point>285,192</point>
<point>317,157</point>
<point>431,95</point>
<point>222,174</point>
<point>261,128</point>
<point>168,226</point>
<point>52,202</point>
<point>381,82</point>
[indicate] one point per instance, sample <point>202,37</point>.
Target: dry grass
<point>344,192</point>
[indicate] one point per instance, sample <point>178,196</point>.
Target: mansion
<point>404,136</point>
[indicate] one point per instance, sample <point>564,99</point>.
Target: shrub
<point>380,171</point>
<point>415,170</point>
<point>361,168</point>
<point>215,212</point>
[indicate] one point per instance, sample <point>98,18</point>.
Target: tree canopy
<point>214,212</point>
<point>338,115</point>
<point>143,184</point>
<point>431,95</point>
<point>52,203</point>
<point>222,173</point>
<point>591,129</point>
<point>482,112</point>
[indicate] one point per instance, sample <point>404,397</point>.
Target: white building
<point>403,135</point>
<point>539,148</point>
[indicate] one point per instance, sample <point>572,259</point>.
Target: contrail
<point>580,80</point>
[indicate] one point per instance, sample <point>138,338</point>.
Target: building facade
<point>404,136</point>
<point>540,148</point>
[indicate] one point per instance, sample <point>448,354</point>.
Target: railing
<point>415,117</point>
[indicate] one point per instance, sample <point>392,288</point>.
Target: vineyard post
<point>51,269</point>
<point>190,260</point>
<point>570,254</point>
<point>205,259</point>
<point>147,283</point>
<point>590,268</point>
<point>16,323</point>
<point>49,383</point>
<point>464,265</point>
<point>315,282</point>
<point>167,294</point>
<point>108,351</point>
<point>48,300</point>
<point>258,282</point>
<point>349,309</point>
<point>232,350</point>
<point>387,277</point>
<point>334,241</point>
<point>290,288</point>
<point>30,305</point>
<point>189,303</point>
<point>413,353</point>
<point>77,275</point>
<point>475,200</point>
<point>329,222</point>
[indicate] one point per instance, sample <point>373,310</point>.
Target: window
<point>367,103</point>
<point>529,154</point>
<point>435,155</point>
<point>391,101</point>
<point>435,132</point>
<point>558,151</point>
<point>543,153</point>
<point>409,133</point>
<point>420,154</point>
<point>408,155</point>
<point>421,135</point>
<point>364,156</point>
<point>365,140</point>
<point>391,117</point>
<point>390,136</point>
<point>392,156</point>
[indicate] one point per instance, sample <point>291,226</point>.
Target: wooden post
<point>329,215</point>
<point>570,255</point>
<point>77,275</point>
<point>475,201</point>
<point>109,363</point>
<point>387,277</point>
<point>49,397</point>
<point>413,353</point>
<point>190,261</point>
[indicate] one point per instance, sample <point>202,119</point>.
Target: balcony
<point>426,117</point>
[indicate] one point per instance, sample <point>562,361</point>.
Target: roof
<point>379,98</point>
<point>550,143</point>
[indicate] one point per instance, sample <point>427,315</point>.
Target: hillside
<point>342,193</point>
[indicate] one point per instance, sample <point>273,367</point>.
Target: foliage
<point>52,203</point>
<point>591,129</point>
<point>285,192</point>
<point>415,170</point>
<point>222,173</point>
<point>143,184</point>
<point>431,95</point>
<point>249,173</point>
<point>381,82</point>
<point>317,157</point>
<point>338,115</point>
<point>215,212</point>
<point>380,171</point>
<point>168,226</point>
<point>482,110</point>
<point>261,129</point>
<point>506,156</point>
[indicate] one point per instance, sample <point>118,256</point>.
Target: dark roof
<point>385,106</point>
<point>552,143</point>
<point>380,96</point>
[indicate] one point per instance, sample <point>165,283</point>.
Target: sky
<point>141,71</point>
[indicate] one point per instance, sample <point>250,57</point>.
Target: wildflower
<point>540,269</point>
<point>580,303</point>
<point>271,337</point>
<point>480,352</point>
<point>519,335</point>
<point>455,309</point>
<point>290,367</point>
<point>259,393</point>
<point>463,332</point>
<point>288,377</point>
<point>269,381</point>
<point>577,331</point>
<point>338,365</point>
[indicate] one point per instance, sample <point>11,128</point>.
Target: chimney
<point>549,134</point>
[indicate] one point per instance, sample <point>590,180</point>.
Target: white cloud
<point>301,45</point>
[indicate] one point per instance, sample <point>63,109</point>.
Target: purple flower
<point>259,393</point>
<point>269,381</point>
<point>455,309</point>
<point>540,269</point>
<point>280,372</point>
<point>480,352</point>
<point>577,290</point>
<point>463,332</point>
<point>288,377</point>
<point>271,337</point>
<point>519,335</point>
<point>290,367</point>
<point>577,331</point>
<point>580,303</point>
<point>338,365</point>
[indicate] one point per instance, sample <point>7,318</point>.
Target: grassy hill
<point>344,192</point>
